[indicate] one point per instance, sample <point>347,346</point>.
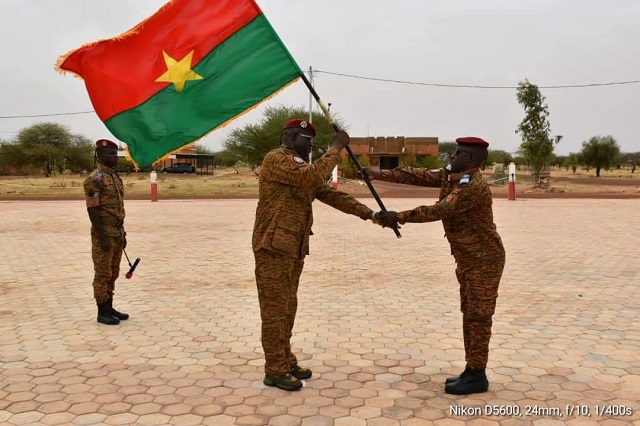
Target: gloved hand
<point>386,219</point>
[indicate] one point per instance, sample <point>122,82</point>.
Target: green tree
<point>600,152</point>
<point>572,160</point>
<point>253,141</point>
<point>631,159</point>
<point>226,158</point>
<point>499,157</point>
<point>537,147</point>
<point>48,147</point>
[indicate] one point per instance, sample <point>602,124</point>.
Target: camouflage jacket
<point>287,187</point>
<point>464,207</point>
<point>103,188</point>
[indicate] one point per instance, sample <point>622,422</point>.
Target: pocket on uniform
<point>287,237</point>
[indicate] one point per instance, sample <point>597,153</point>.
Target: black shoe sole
<point>453,391</point>
<point>272,383</point>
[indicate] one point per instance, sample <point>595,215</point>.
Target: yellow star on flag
<point>178,72</point>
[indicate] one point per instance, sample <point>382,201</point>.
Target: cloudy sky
<point>453,42</point>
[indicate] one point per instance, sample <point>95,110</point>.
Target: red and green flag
<point>187,70</point>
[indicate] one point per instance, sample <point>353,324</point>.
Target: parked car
<point>179,168</point>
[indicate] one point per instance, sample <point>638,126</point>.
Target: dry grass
<point>229,183</point>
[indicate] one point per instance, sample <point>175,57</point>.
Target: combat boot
<point>300,373</point>
<point>105,316</point>
<point>285,382</point>
<point>455,378</point>
<point>471,381</point>
<point>119,315</point>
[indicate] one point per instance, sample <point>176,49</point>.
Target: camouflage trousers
<point>478,293</point>
<point>277,278</point>
<point>106,265</point>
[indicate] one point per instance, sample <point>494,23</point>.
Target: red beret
<point>296,123</point>
<point>106,143</point>
<point>472,140</point>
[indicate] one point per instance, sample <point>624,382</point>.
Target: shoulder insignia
<point>447,200</point>
<point>464,180</point>
<point>435,170</point>
<point>98,177</point>
<point>298,160</point>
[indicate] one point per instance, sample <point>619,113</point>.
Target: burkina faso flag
<point>188,69</point>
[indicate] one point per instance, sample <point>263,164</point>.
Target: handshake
<point>386,219</point>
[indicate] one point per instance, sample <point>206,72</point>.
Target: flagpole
<point>352,156</point>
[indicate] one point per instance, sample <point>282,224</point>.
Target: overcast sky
<point>473,43</point>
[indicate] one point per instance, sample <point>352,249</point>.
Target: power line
<point>467,86</point>
<point>46,115</point>
<point>387,80</point>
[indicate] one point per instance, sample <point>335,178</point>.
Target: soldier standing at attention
<point>104,196</point>
<point>467,217</point>
<point>288,184</point>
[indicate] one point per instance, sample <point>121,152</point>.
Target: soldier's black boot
<point>472,381</point>
<point>455,378</point>
<point>300,373</point>
<point>105,316</point>
<point>284,381</point>
<point>119,315</point>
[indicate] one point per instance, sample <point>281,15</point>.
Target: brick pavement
<point>378,320</point>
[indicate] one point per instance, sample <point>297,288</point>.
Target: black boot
<point>119,315</point>
<point>455,378</point>
<point>286,382</point>
<point>105,316</point>
<point>471,381</point>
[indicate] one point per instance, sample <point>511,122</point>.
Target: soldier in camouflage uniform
<point>104,194</point>
<point>467,217</point>
<point>288,184</point>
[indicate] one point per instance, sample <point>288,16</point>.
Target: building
<point>203,163</point>
<point>393,151</point>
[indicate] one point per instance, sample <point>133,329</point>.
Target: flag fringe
<point>164,157</point>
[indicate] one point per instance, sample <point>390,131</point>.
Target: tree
<point>252,142</point>
<point>48,147</point>
<point>227,159</point>
<point>632,159</point>
<point>499,157</point>
<point>537,147</point>
<point>572,160</point>
<point>600,152</point>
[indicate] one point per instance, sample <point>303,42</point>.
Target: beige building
<point>393,151</point>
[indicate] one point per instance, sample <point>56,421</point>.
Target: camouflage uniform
<point>467,218</point>
<point>287,187</point>
<point>103,188</point>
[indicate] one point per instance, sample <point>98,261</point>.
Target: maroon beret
<point>296,123</point>
<point>472,140</point>
<point>106,143</point>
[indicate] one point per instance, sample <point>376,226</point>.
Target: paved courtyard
<point>378,320</point>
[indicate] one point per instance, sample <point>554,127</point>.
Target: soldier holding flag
<point>288,184</point>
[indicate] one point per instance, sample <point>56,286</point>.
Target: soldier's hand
<point>372,174</point>
<point>340,140</point>
<point>105,244</point>
<point>387,219</point>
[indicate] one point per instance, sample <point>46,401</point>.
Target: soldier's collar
<point>455,177</point>
<point>105,169</point>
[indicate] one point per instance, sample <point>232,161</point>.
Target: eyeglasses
<point>305,136</point>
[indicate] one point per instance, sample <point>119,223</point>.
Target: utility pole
<point>310,107</point>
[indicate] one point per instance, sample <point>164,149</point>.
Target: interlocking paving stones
<point>378,320</point>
